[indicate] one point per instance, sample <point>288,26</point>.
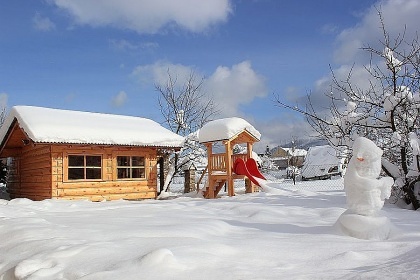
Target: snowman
<point>365,193</point>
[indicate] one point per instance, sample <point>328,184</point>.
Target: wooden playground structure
<point>224,168</point>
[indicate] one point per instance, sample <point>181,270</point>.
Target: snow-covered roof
<point>296,152</point>
<point>46,125</point>
<point>322,155</point>
<point>224,129</point>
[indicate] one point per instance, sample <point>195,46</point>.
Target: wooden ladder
<point>215,188</point>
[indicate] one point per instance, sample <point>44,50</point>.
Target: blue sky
<point>105,56</point>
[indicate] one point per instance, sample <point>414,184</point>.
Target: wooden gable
<point>243,137</point>
<point>14,141</point>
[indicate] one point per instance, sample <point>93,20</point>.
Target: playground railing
<point>218,161</point>
<point>242,156</point>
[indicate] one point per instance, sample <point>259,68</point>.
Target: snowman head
<point>367,157</point>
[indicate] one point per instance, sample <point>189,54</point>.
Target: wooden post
<point>210,181</point>
<point>249,149</point>
<point>249,186</point>
<point>229,179</point>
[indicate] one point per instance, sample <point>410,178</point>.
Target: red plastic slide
<point>241,168</point>
<point>252,166</point>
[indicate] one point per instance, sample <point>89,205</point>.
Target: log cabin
<point>63,154</point>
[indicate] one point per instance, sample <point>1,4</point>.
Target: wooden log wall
<point>40,172</point>
<point>109,188</point>
<point>30,173</point>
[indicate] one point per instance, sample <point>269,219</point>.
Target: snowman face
<point>368,164</point>
<point>367,158</point>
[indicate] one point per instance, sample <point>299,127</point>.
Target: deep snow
<point>286,232</point>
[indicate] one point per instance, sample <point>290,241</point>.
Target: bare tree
<point>386,111</point>
<point>3,114</point>
<point>184,106</point>
<point>185,109</point>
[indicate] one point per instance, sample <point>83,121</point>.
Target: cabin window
<point>130,167</point>
<point>83,167</point>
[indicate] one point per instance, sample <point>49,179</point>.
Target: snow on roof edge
<point>47,125</point>
<point>107,144</point>
<point>226,128</point>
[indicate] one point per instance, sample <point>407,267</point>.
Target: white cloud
<point>120,99</point>
<point>320,102</point>
<point>397,15</point>
<point>359,78</point>
<point>158,72</point>
<point>147,16</point>
<point>42,23</point>
<point>229,87</point>
<point>282,130</point>
<point>235,86</point>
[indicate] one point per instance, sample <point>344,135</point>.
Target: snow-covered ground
<point>286,232</point>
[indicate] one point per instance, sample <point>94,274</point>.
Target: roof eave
<point>108,144</point>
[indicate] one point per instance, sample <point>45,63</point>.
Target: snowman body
<point>365,193</point>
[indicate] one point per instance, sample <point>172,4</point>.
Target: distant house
<point>65,154</point>
<point>285,157</point>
